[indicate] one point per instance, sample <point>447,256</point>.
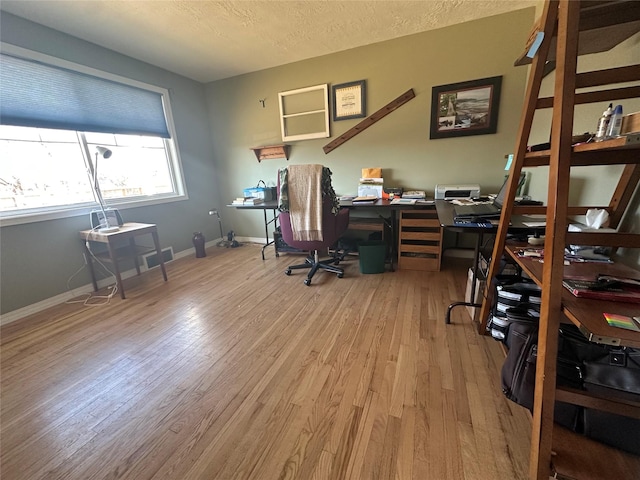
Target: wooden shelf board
<point>578,457</point>
<point>272,151</point>
<point>627,150</point>
<point>586,313</point>
<point>602,27</point>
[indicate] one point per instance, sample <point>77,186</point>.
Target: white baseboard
<point>61,298</point>
<point>20,313</point>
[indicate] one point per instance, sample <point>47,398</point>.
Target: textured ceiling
<point>210,40</point>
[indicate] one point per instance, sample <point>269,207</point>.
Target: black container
<point>198,243</point>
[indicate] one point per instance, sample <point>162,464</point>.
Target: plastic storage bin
<point>372,256</point>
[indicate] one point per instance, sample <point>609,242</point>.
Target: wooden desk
<point>128,232</point>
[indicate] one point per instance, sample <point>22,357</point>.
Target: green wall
<point>399,143</point>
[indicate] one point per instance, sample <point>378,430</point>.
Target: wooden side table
<point>128,231</point>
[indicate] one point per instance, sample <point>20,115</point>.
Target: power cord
<point>90,298</point>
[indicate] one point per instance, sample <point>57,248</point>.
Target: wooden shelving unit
<point>562,23</point>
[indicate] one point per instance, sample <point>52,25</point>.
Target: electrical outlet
<point>213,212</point>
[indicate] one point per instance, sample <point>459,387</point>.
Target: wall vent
<point>151,260</point>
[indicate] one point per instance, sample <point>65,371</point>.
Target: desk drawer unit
<point>419,240</point>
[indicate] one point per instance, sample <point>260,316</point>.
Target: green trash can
<point>372,256</point>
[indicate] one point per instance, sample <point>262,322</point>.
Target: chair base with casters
<point>333,228</point>
<point>314,264</point>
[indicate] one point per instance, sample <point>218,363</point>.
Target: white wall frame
<point>309,107</point>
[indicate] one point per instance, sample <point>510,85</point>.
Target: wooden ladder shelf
<point>575,456</point>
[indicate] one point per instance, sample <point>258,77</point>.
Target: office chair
<point>334,221</point>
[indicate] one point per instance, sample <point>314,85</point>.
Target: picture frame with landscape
<point>465,108</point>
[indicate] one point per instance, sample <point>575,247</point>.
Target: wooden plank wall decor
<point>370,120</point>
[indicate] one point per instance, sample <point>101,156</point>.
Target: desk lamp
<point>108,226</point>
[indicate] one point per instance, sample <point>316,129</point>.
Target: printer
<point>450,192</point>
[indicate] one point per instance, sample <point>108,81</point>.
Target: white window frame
<point>78,209</point>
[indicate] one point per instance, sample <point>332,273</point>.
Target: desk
<point>446,213</point>
<point>128,232</point>
<point>380,206</point>
<point>264,206</point>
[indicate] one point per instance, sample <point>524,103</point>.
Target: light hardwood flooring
<point>232,370</point>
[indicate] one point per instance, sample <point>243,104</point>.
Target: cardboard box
<point>474,312</point>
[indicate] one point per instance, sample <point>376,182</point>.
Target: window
<point>46,153</point>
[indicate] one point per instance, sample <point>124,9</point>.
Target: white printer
<point>449,192</point>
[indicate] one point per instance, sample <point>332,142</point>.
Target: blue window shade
<point>33,94</point>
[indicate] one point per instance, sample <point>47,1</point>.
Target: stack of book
<point>247,201</point>
<point>605,287</point>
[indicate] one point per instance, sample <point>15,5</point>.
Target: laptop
<point>483,210</point>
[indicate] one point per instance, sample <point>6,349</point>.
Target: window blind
<point>34,94</point>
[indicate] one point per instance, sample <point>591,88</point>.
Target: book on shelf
<point>247,201</point>
<point>623,321</point>
<point>605,288</point>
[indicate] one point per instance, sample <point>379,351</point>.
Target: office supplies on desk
<point>404,201</point>
<point>371,183</point>
<point>365,199</point>
<point>482,209</point>
<point>449,192</point>
<point>417,194</point>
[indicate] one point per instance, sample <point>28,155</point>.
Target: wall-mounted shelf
<point>272,151</point>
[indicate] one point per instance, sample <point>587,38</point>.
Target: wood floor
<point>232,370</point>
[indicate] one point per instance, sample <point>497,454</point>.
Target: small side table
<point>128,231</point>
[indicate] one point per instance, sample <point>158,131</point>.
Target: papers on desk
<point>404,201</point>
<point>417,194</point>
<point>470,224</point>
<point>365,199</point>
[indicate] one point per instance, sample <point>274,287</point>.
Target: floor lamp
<point>104,224</point>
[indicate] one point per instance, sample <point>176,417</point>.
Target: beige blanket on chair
<point>305,201</point>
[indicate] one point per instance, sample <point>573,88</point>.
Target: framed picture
<point>349,100</point>
<point>466,108</point>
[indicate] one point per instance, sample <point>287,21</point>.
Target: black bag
<point>609,371</point>
<point>519,366</point>
<point>616,373</point>
<point>519,369</point>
